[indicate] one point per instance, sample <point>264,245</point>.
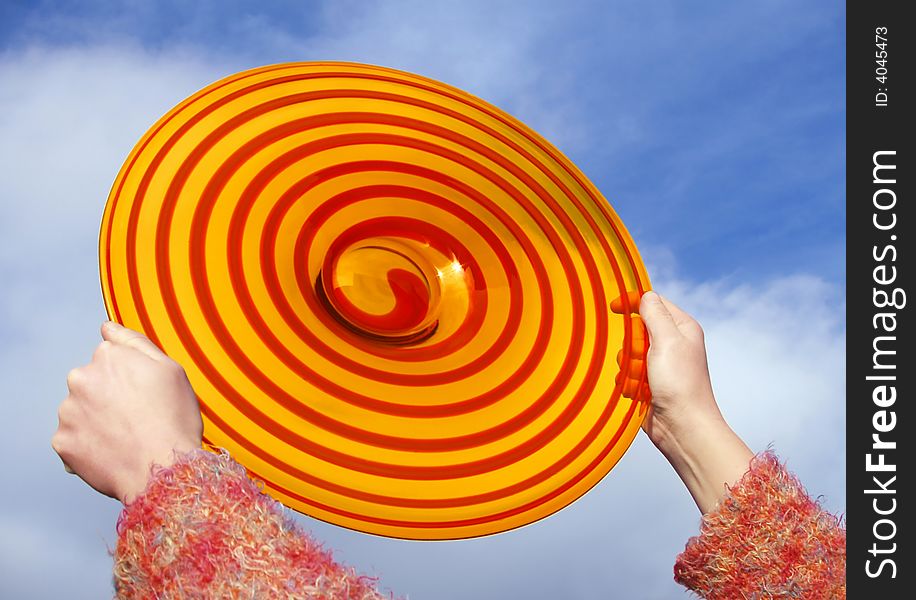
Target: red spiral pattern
<point>462,388</point>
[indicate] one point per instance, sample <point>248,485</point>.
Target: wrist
<point>135,484</point>
<point>679,432</point>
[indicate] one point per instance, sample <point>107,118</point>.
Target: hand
<point>684,421</point>
<point>132,406</point>
<point>682,396</point>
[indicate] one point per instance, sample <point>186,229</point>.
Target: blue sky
<point>644,96</point>
<point>716,130</point>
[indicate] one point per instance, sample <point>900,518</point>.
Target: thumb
<point>118,334</point>
<point>657,318</point>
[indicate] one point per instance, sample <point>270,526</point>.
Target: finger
<point>68,469</point>
<point>688,326</point>
<point>118,334</point>
<point>638,344</point>
<point>638,352</point>
<point>629,387</point>
<point>636,369</point>
<point>677,313</point>
<point>657,317</point>
<point>627,303</point>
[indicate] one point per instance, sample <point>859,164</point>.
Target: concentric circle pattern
<point>392,298</point>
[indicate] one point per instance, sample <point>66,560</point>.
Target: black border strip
<point>880,266</point>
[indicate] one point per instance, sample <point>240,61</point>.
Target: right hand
<point>682,395</point>
<point>130,407</point>
<point>684,421</point>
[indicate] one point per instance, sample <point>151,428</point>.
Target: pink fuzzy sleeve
<point>203,529</point>
<point>766,539</point>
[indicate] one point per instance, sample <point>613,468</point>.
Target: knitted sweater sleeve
<point>203,529</point>
<point>766,539</point>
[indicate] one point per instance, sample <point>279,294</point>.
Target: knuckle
<point>137,341</point>
<point>57,443</point>
<point>174,367</point>
<point>133,342</point>
<point>65,410</point>
<point>75,378</point>
<point>103,349</point>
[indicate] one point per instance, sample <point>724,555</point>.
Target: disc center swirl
<point>383,288</point>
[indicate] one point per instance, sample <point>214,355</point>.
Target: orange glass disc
<point>391,297</point>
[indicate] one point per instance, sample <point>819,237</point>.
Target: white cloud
<point>69,119</point>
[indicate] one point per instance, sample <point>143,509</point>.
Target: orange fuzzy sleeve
<point>203,529</point>
<point>766,539</point>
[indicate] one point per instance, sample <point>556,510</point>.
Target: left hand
<point>129,408</point>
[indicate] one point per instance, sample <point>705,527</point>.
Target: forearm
<point>708,456</point>
<point>203,529</point>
